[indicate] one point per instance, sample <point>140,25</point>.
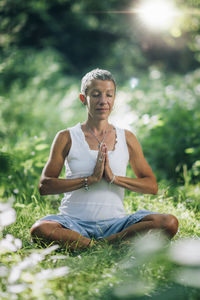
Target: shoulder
<point>63,136</point>
<point>132,142</point>
<point>130,137</point>
<point>62,142</point>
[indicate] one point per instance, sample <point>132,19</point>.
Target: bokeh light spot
<point>158,14</point>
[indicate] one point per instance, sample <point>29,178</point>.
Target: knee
<point>37,230</point>
<point>170,225</point>
<point>42,230</point>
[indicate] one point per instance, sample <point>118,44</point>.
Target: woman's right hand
<point>99,168</point>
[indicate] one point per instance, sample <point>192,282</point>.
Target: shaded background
<point>47,46</point>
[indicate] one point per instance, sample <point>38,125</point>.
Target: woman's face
<point>100,99</point>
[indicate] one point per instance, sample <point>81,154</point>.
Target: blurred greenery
<point>168,123</point>
<point>45,49</point>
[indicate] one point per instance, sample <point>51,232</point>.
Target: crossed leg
<point>167,223</point>
<point>51,231</point>
<point>46,232</point>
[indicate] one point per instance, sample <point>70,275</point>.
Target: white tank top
<point>103,200</point>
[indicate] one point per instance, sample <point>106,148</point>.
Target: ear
<point>82,98</point>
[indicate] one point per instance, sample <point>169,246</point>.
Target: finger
<point>106,150</point>
<point>103,147</point>
<point>100,153</point>
<point>101,158</point>
<point>106,154</point>
<point>106,158</point>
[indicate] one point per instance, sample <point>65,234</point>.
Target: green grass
<point>104,271</point>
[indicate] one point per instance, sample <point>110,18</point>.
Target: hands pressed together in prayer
<point>102,168</point>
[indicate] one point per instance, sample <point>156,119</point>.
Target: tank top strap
<point>77,141</point>
<point>121,145</point>
<point>75,133</point>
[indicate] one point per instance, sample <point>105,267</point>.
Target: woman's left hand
<point>108,174</point>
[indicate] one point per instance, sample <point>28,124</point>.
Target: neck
<point>97,125</point>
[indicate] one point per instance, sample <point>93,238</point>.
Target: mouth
<point>102,109</point>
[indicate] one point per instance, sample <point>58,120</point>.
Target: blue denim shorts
<point>98,229</point>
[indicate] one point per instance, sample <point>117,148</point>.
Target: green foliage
<point>168,122</point>
<point>34,106</point>
<point>47,46</point>
<point>87,34</point>
<point>6,163</point>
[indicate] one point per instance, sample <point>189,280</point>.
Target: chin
<point>105,117</point>
<point>100,117</point>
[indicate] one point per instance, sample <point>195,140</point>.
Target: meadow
<point>149,267</point>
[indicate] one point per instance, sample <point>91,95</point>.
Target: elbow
<point>155,188</point>
<point>43,187</point>
<point>42,190</point>
<point>152,186</point>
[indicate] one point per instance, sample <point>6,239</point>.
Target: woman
<point>96,155</point>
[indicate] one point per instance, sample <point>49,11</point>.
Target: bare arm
<point>50,184</point>
<point>145,182</point>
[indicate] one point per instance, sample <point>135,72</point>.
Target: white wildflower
<point>186,252</point>
<point>6,246</point>
<point>9,237</point>
<point>3,271</point>
<point>18,243</point>
<point>14,274</point>
<point>4,206</point>
<point>57,257</point>
<point>16,289</point>
<point>188,277</point>
<point>9,243</point>
<point>7,217</point>
<point>49,250</point>
<point>50,274</point>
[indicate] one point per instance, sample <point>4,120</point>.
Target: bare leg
<point>165,222</point>
<point>50,231</point>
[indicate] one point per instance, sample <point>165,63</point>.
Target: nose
<point>103,99</point>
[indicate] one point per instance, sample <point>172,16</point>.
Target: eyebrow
<point>97,90</point>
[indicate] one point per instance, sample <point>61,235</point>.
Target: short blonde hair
<point>98,74</point>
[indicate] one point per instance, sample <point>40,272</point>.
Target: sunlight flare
<point>158,14</point>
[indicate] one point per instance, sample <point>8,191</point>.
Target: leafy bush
<point>168,111</point>
<point>39,104</point>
